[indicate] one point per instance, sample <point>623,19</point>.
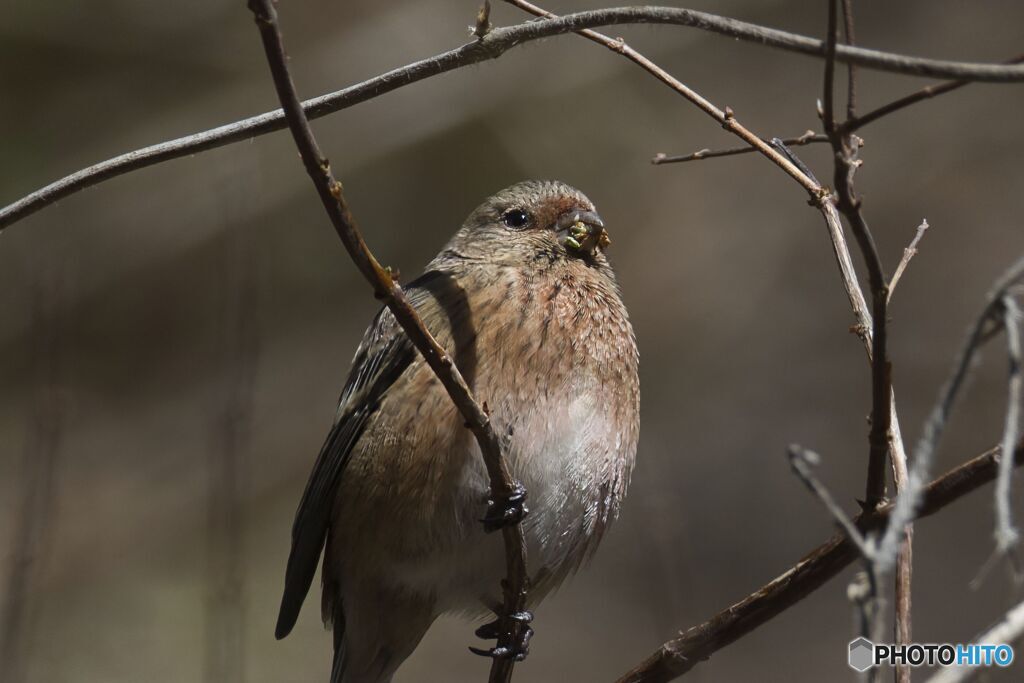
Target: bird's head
<point>532,221</point>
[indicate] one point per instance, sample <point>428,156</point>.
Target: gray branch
<point>491,46</point>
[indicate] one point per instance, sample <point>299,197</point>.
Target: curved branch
<point>679,655</point>
<point>492,46</point>
<point>385,288</point>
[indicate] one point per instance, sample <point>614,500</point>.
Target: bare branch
<point>854,124</point>
<point>807,138</point>
<point>828,115</point>
<point>492,46</point>
<point>845,150</point>
<point>726,117</point>
<point>908,253</point>
<point>387,289</point>
<point>698,643</point>
<point>851,70</point>
<point>802,460</point>
<point>924,452</point>
<point>1007,536</point>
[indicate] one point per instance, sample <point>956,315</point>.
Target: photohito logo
<point>864,654</point>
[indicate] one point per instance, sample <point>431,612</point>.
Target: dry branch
<point>855,123</point>
<point>845,150</point>
<point>388,290</point>
<point>908,253</point>
<point>491,46</point>
<point>698,643</point>
<point>1007,536</point>
<point>924,452</point>
<point>805,139</point>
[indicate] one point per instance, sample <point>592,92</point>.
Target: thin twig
<point>1009,630</point>
<point>1007,536</point>
<point>851,70</point>
<point>726,117</point>
<point>387,289</point>
<point>908,253</point>
<point>854,124</point>
<point>806,139</point>
<point>828,116</point>
<point>884,436</point>
<point>924,451</point>
<point>802,460</point>
<point>698,643</point>
<point>864,594</point>
<point>846,163</point>
<point>492,46</point>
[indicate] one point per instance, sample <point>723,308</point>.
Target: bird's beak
<point>581,231</point>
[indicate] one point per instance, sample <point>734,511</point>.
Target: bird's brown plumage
<point>538,328</point>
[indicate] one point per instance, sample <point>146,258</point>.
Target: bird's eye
<point>515,218</point>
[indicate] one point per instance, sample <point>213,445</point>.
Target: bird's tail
<point>338,621</point>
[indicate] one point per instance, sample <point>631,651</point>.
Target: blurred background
<point>173,341</point>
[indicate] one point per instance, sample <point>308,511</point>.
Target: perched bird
<point>524,300</point>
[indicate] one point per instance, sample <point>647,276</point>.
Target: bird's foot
<point>521,634</point>
<point>505,509</point>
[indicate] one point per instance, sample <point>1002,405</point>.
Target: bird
<point>526,303</point>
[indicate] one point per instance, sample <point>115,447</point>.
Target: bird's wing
<point>384,354</point>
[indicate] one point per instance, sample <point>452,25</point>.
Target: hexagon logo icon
<point>861,654</point>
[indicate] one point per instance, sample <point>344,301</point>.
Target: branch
<point>844,148</point>
<point>908,253</point>
<point>387,289</point>
<point>863,592</point>
<point>802,460</point>
<point>725,117</point>
<point>696,644</point>
<point>1007,536</point>
<point>935,425</point>
<point>884,424</point>
<point>855,123</point>
<point>491,46</point>
<point>806,139</point>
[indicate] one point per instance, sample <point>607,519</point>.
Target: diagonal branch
<point>698,643</point>
<point>924,452</point>
<point>387,289</point>
<point>491,46</point>
<point>855,123</point>
<point>661,158</point>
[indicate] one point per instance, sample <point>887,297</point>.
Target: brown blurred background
<point>138,314</point>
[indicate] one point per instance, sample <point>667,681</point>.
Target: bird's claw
<point>505,510</point>
<point>516,651</point>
